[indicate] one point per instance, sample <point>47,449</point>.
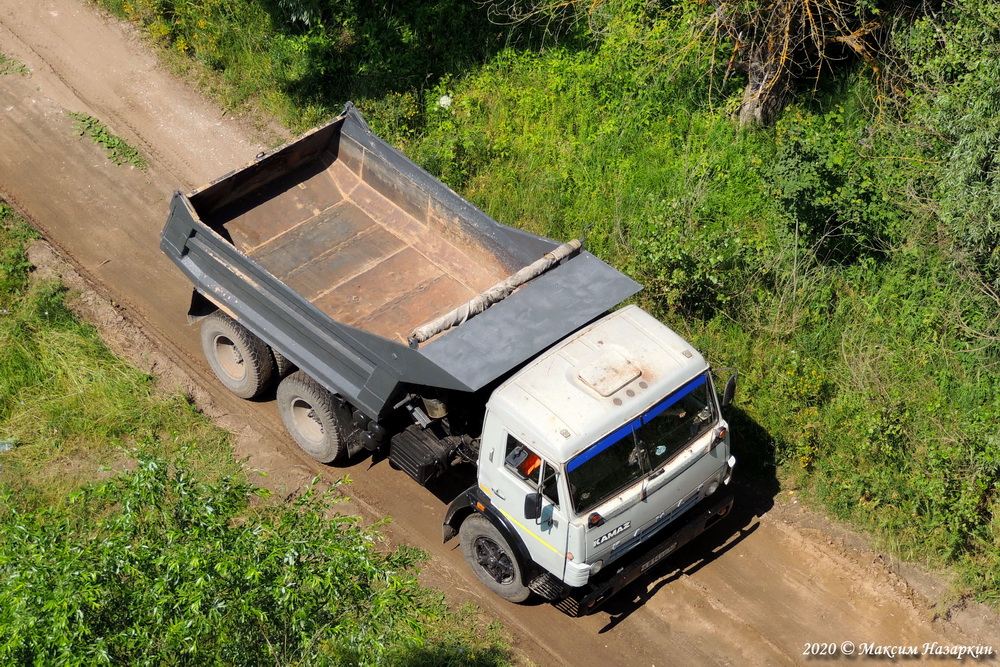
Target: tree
<point>780,42</point>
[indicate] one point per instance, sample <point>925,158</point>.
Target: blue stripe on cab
<point>622,431</point>
<point>670,400</point>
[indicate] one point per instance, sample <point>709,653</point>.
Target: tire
<point>491,558</point>
<point>241,361</point>
<point>310,416</point>
<point>282,366</point>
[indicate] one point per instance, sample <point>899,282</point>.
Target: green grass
<point>119,150</point>
<point>69,405</point>
<point>10,65</point>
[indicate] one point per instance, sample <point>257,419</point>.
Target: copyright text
<point>891,652</point>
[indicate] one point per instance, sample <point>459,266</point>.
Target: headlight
<point>596,567</point>
<point>712,488</point>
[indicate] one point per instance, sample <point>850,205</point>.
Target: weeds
<point>65,400</point>
<point>119,151</point>
<point>9,65</point>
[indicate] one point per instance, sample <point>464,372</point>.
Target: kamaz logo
<point>617,531</point>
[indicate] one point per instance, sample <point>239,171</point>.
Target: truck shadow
<point>755,485</point>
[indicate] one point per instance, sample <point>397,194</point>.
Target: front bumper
<point>700,518</point>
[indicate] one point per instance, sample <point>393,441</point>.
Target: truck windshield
<point>642,446</point>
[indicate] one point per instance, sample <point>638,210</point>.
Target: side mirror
<point>730,392</point>
<point>532,506</point>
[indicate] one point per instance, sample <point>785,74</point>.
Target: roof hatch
<point>609,372</point>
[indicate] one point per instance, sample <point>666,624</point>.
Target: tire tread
<point>257,359</point>
<point>300,385</point>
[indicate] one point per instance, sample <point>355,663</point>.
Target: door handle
<point>499,495</point>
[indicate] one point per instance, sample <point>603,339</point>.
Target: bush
<point>156,567</point>
<point>955,56</point>
<point>831,177</point>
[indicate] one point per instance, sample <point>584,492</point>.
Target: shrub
<point>157,567</point>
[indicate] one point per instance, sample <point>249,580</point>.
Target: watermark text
<point>892,652</point>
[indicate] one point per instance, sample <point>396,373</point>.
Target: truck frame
<point>392,313</point>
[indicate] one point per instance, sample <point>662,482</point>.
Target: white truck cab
<point>592,449</point>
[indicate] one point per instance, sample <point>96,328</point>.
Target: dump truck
<point>392,315</point>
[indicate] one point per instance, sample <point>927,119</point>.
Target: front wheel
<point>491,558</point>
<point>310,415</point>
<point>240,360</point>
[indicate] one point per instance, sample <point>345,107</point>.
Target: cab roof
<point>593,382</point>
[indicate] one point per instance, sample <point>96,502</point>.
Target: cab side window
<point>530,467</point>
<point>522,461</point>
<point>550,484</point>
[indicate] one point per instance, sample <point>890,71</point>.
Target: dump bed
<point>335,247</point>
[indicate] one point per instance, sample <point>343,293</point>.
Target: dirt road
<point>754,592</point>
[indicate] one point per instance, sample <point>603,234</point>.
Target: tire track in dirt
<point>142,109</point>
<point>750,593</point>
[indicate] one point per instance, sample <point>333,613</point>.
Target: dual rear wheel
<point>247,367</point>
<point>241,361</point>
<point>310,415</point>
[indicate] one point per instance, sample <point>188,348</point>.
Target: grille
<point>649,531</point>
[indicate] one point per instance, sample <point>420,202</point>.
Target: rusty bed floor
<point>363,261</point>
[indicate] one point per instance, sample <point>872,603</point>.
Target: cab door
<point>515,472</point>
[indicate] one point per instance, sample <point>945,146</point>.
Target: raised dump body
<point>335,247</point>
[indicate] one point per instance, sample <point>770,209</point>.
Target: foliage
<point>155,566</point>
<point>830,180</point>
<point>119,151</point>
<point>956,55</point>
<point>14,265</point>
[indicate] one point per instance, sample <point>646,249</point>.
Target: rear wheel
<point>240,360</point>
<point>492,559</point>
<point>310,415</point>
<point>282,366</point>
